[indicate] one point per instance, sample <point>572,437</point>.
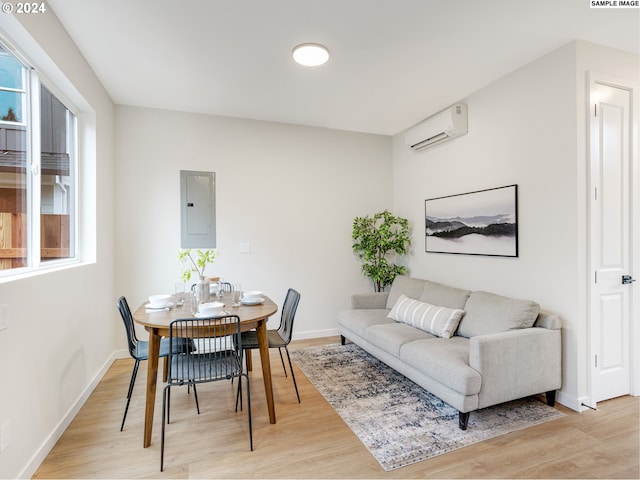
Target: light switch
<point>245,247</point>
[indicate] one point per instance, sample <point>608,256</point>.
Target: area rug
<point>399,422</point>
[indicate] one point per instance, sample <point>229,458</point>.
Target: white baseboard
<point>574,403</point>
<point>315,334</point>
<point>42,452</point>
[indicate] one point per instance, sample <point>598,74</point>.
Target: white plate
<point>252,302</point>
<point>166,305</point>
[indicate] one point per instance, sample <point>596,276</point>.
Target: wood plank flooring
<point>311,441</point>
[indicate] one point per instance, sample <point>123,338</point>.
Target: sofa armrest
<point>516,363</point>
<point>548,320</point>
<point>369,300</point>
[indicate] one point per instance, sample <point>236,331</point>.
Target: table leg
<point>152,379</point>
<point>266,368</point>
<point>165,369</point>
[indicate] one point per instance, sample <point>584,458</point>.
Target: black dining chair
<point>225,286</point>
<point>221,361</point>
<point>139,349</point>
<point>280,337</point>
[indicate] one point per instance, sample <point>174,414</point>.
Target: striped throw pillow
<point>439,321</point>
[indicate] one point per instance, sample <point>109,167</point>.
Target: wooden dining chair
<point>221,361</point>
<point>280,337</point>
<point>139,349</point>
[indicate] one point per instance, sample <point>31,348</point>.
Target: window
<point>37,171</point>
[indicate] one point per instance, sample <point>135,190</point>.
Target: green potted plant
<point>196,262</point>
<point>378,241</point>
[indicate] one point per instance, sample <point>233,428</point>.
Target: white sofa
<point>471,349</point>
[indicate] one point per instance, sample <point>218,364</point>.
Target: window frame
<point>24,91</point>
<point>33,79</point>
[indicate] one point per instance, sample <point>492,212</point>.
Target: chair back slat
<point>288,314</point>
<point>127,318</point>
<point>218,353</point>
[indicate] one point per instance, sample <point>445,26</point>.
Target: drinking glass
<point>193,301</point>
<point>179,294</point>
<point>215,288</point>
<point>237,294</point>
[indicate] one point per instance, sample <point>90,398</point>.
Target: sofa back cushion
<point>434,319</point>
<point>490,313</point>
<point>439,294</point>
<point>403,285</point>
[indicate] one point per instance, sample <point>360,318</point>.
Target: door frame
<point>594,78</point>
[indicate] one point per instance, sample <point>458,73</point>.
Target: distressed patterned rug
<point>399,422</point>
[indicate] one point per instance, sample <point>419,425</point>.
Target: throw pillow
<point>491,313</point>
<point>436,320</point>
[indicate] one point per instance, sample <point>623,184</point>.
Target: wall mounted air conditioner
<point>442,127</point>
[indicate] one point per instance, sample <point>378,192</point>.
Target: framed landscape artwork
<point>476,223</point>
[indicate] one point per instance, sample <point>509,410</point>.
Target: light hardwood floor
<point>311,441</point>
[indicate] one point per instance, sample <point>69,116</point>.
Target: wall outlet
<point>4,317</point>
<point>5,435</point>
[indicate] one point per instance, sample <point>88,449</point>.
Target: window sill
<point>41,270</point>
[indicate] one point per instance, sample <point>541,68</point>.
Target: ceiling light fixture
<point>310,54</point>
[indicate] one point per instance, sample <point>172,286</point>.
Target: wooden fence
<point>54,238</point>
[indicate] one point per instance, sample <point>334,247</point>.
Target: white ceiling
<point>393,62</point>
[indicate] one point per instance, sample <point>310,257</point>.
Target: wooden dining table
<point>156,322</point>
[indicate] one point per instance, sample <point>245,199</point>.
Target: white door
<point>610,241</point>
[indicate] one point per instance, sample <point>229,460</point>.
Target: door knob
<point>627,279</point>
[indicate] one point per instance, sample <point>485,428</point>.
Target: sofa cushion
<point>434,319</point>
<point>390,337</point>
<point>359,320</point>
<point>403,285</point>
<point>439,294</point>
<point>444,360</point>
<point>490,313</point>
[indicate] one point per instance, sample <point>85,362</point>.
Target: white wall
<point>290,191</point>
<point>526,129</point>
<point>62,324</point>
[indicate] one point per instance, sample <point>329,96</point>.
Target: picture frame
<point>484,222</point>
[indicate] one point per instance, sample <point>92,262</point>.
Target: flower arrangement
<point>197,264</point>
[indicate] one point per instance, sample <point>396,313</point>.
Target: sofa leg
<point>342,340</point>
<point>551,397</point>
<point>463,420</point>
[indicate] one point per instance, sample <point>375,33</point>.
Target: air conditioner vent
<point>441,127</point>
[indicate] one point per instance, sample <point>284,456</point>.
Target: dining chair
<point>280,337</point>
<point>223,361</point>
<point>139,349</point>
<point>225,286</point>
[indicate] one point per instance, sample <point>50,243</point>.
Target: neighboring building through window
<point>37,170</point>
